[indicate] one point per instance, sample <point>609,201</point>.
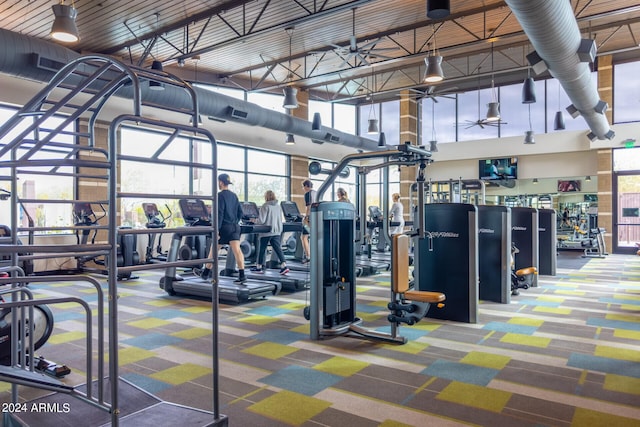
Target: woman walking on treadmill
<point>229,216</point>
<point>271,215</point>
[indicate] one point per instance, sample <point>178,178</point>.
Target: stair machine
<point>197,239</point>
<point>332,310</point>
<point>77,94</point>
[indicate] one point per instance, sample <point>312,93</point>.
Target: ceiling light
<point>438,9</point>
<point>529,138</point>
<point>433,73</point>
<point>535,180</point>
<point>373,126</point>
<point>382,140</point>
<point>558,121</point>
<point>153,84</point>
<point>290,92</point>
<point>316,124</point>
<point>587,178</point>
<point>493,112</point>
<point>64,25</point>
<point>290,139</point>
<point>529,91</point>
<point>433,146</point>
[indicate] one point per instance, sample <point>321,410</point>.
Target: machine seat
<point>424,296</point>
<point>526,271</point>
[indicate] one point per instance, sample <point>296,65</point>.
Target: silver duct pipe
<point>554,33</point>
<point>34,59</point>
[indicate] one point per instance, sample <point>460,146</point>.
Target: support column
<point>605,156</point>
<point>408,132</point>
<point>299,164</point>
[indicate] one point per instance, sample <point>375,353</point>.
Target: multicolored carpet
<point>566,353</point>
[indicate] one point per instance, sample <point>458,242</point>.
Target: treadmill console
<point>195,212</point>
<point>290,211</point>
<point>249,214</point>
<point>249,211</point>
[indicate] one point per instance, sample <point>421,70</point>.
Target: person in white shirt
<point>396,214</point>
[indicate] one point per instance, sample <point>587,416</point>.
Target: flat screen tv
<point>496,169</point>
<point>568,186</point>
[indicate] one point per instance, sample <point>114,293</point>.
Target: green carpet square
<point>270,350</point>
<point>191,333</point>
<point>529,340</point>
<point>487,360</point>
<point>149,323</point>
<point>288,407</point>
<point>258,320</point>
<point>617,353</point>
<point>622,384</point>
<point>341,366</point>
<point>66,337</point>
<point>181,374</point>
<point>475,396</point>
<point>587,417</point>
<point>133,354</point>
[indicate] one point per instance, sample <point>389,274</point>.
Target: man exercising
<point>309,198</point>
<point>229,216</point>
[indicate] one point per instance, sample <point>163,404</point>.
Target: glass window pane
<point>344,118</point>
<point>626,92</point>
<point>231,157</point>
<point>267,100</point>
<point>390,122</point>
<point>557,100</point>
<point>626,159</point>
<point>438,119</point>
<point>234,93</point>
<point>257,185</point>
<point>265,162</point>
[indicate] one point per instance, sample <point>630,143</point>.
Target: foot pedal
<point>52,368</point>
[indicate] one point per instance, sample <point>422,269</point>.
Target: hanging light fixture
<point>373,122</point>
<point>587,178</point>
<point>528,89</point>
<point>290,139</point>
<point>558,121</point>
<point>382,140</point>
<point>316,124</point>
<point>438,9</point>
<point>290,92</point>
<point>528,135</point>
<point>433,72</point>
<point>64,27</point>
<point>433,144</point>
<point>156,65</point>
<point>493,112</point>
<point>535,181</point>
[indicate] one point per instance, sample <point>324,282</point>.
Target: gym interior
<point>510,296</point>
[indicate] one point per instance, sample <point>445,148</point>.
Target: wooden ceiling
<point>263,45</point>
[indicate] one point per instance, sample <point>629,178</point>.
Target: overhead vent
<point>237,114</point>
<point>47,63</point>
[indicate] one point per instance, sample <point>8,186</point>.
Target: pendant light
<point>373,121</point>
<point>528,89</point>
<point>433,144</point>
<point>493,111</point>
<point>558,121</point>
<point>290,140</point>
<point>64,27</point>
<point>433,72</point>
<point>528,135</point>
<point>156,64</point>
<point>290,92</point>
<point>438,9</point>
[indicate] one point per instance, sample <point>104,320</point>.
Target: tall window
<point>390,122</point>
<point>344,118</point>
<point>626,94</point>
<point>36,185</point>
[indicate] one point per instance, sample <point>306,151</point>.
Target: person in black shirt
<point>229,216</point>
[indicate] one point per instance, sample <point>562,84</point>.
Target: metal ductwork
<point>555,36</point>
<point>34,59</point>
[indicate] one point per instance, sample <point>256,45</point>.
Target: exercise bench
<point>407,305</point>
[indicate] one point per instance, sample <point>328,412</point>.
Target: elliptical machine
<point>155,220</point>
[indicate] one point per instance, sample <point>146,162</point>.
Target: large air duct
<point>554,33</point>
<point>34,59</point>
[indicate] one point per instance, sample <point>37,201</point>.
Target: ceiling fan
<point>431,93</point>
<point>360,54</point>
<point>483,122</point>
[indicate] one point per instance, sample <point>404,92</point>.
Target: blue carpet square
<point>462,372</point>
<point>604,364</point>
<point>615,324</point>
<point>366,308</point>
<point>411,334</point>
<point>148,384</point>
<point>61,316</point>
<point>538,303</point>
<point>268,311</point>
<point>301,380</point>
<point>280,336</point>
<point>510,328</point>
<point>151,341</point>
<point>619,301</point>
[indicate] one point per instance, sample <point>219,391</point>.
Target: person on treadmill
<point>271,215</point>
<point>309,198</point>
<point>229,216</point>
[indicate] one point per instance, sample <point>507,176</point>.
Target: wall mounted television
<point>568,186</point>
<point>500,168</point>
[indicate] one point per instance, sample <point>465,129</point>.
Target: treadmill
<point>195,214</point>
<point>292,224</point>
<point>293,281</point>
